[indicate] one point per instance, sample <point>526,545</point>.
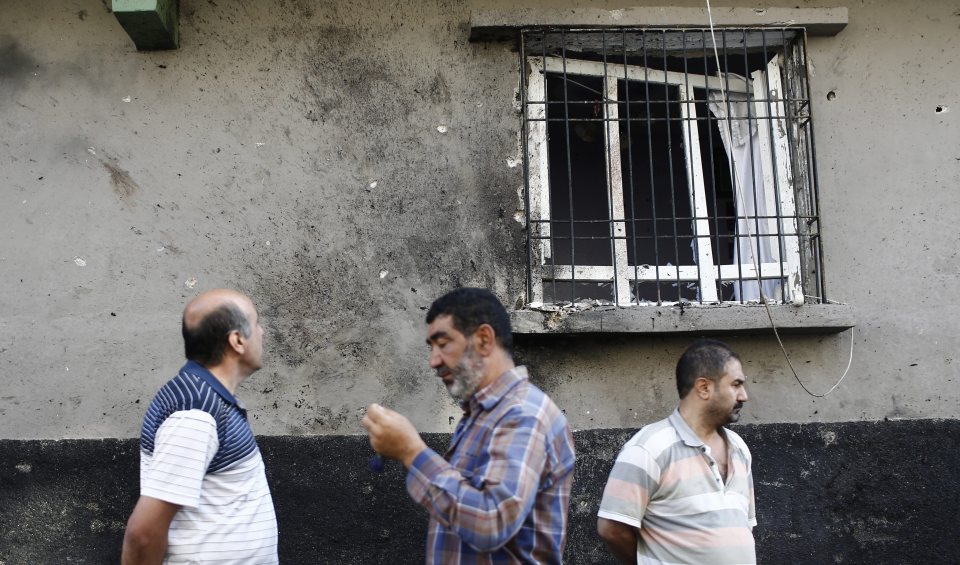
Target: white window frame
<point>777,182</point>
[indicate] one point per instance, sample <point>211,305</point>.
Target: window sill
<point>734,319</point>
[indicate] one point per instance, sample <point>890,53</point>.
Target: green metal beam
<point>151,24</point>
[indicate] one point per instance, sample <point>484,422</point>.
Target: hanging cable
<point>753,252</point>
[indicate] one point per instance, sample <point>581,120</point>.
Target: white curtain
<point>738,128</point>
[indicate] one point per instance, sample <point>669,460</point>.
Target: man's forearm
<point>484,518</point>
<point>624,552</point>
<point>621,540</point>
<point>143,551</point>
<point>145,539</point>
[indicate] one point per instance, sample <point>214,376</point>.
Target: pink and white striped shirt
<point>666,483</point>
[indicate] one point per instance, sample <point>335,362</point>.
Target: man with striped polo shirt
<point>681,490</point>
<point>203,489</point>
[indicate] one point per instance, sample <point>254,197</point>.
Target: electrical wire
<point>753,253</point>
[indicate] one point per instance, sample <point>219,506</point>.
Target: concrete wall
<point>291,149</point>
<point>826,494</point>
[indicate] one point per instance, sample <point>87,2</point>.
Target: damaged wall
<point>285,152</point>
<point>347,163</point>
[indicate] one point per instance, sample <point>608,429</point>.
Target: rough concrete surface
<point>347,162</point>
<point>853,493</point>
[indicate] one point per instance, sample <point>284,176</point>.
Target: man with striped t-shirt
<point>203,490</point>
<point>681,490</point>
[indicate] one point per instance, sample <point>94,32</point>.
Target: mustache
<point>738,406</point>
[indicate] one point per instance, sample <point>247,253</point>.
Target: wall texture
<point>345,163</point>
<point>827,493</point>
<point>291,149</point>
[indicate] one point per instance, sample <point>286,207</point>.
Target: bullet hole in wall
<point>831,95</point>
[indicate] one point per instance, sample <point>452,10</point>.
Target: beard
<point>724,414</point>
<point>734,414</point>
<point>467,376</point>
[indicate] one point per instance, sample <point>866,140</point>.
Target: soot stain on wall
<point>16,67</point>
<point>123,184</point>
<point>380,232</point>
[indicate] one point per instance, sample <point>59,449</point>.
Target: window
<point>656,176</point>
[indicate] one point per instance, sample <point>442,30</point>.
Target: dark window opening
<point>660,173</point>
<point>579,212</point>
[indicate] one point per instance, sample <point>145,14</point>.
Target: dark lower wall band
<point>859,492</point>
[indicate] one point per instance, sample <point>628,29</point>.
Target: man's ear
<point>235,342</point>
<point>485,340</point>
<point>703,387</point>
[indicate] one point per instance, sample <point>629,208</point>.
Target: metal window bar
<point>784,201</point>
<point>615,200</point>
<point>524,135</point>
<point>633,208</point>
<point>672,176</point>
<point>694,158</point>
<point>780,112</point>
<point>735,182</point>
<point>569,164</point>
<point>770,90</point>
<point>800,133</point>
<point>713,179</point>
<point>653,196</point>
<point>810,154</point>
<point>751,119</point>
<point>793,106</point>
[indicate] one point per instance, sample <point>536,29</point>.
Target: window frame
<point>777,162</point>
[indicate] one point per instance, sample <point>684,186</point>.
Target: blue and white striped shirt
<point>197,450</point>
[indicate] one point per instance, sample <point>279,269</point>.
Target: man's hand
<point>392,435</point>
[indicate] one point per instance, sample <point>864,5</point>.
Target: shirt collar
<point>490,395</point>
<point>194,368</point>
<point>686,434</point>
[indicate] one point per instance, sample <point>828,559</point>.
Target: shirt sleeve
<point>184,446</point>
<point>488,509</point>
<point>632,482</point>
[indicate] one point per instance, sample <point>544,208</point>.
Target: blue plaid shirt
<point>501,491</point>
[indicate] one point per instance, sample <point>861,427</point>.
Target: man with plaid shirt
<point>500,492</point>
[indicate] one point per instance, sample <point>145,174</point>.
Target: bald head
<point>208,321</point>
